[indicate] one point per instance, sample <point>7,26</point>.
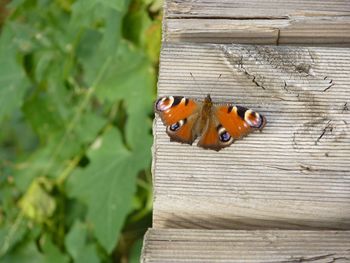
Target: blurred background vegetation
<point>77,83</point>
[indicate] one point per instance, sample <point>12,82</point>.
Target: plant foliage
<point>77,83</point>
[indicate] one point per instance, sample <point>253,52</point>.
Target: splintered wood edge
<point>186,245</point>
<point>296,186</point>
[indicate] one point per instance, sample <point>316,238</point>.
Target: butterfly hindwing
<point>179,114</point>
<point>183,131</point>
<point>239,121</point>
<point>214,135</point>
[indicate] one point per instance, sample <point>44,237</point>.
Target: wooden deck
<point>273,186</point>
<point>294,174</point>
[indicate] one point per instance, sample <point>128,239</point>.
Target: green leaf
<point>136,252</point>
<point>100,45</point>
<point>13,82</point>
<point>88,255</point>
<point>152,40</point>
<point>37,204</point>
<point>27,252</point>
<point>107,186</point>
<point>66,73</point>
<point>51,253</point>
<point>49,160</point>
<point>43,116</point>
<point>131,78</point>
<point>136,22</point>
<point>34,166</point>
<point>119,5</point>
<point>77,246</point>
<point>11,233</point>
<point>76,239</point>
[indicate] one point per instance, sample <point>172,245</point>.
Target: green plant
<point>77,83</point>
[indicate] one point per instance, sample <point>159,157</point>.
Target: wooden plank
<point>202,246</point>
<point>258,22</point>
<point>261,9</point>
<point>294,175</point>
<point>330,31</point>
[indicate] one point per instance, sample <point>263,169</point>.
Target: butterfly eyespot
<point>164,103</point>
<point>174,127</point>
<point>225,137</point>
<point>254,119</point>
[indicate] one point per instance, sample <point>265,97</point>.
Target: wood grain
<point>277,246</point>
<point>293,175</point>
<point>258,22</point>
<point>330,31</point>
<point>244,9</point>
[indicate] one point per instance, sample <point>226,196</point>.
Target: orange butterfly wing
<point>239,121</point>
<point>228,123</point>
<point>180,115</point>
<point>210,138</point>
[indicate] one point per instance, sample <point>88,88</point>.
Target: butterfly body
<point>217,126</point>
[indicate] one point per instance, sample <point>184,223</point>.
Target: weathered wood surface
<point>273,22</point>
<point>165,246</point>
<point>293,175</point>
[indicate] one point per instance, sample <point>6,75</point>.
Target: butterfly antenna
<point>216,83</point>
<point>195,81</point>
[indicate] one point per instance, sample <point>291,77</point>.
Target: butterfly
<point>216,125</point>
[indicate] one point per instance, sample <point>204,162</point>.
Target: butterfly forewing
<point>239,121</point>
<point>180,115</point>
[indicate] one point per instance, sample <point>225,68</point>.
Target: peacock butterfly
<point>217,125</point>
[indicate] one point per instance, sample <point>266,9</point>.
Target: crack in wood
<point>325,129</point>
<point>278,37</point>
<point>332,84</point>
<point>316,258</point>
<point>339,258</point>
<point>308,259</point>
<point>245,71</point>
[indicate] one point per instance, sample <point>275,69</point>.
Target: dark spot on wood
<point>303,67</point>
<point>186,101</point>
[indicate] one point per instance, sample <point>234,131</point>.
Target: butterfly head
<point>207,101</point>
